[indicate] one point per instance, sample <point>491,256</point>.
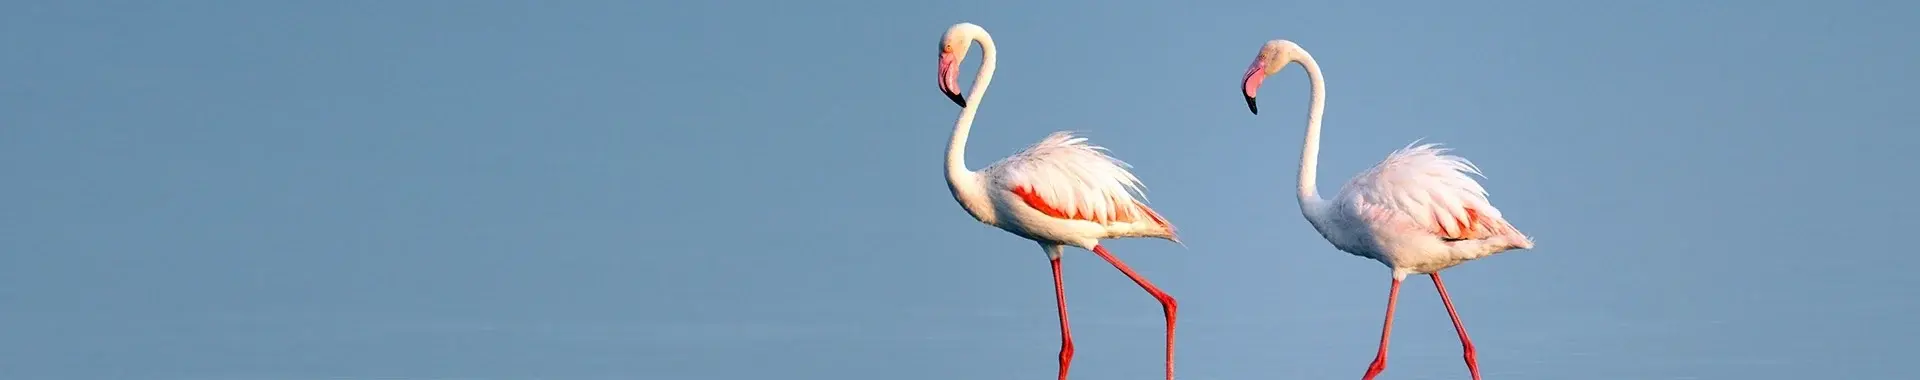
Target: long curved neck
<point>965,185</point>
<point>1310,152</point>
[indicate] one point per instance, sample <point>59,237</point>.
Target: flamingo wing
<point>1064,177</point>
<point>1422,188</point>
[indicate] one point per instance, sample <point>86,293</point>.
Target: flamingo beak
<point>1250,83</point>
<point>950,78</point>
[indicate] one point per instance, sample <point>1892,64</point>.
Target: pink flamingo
<point>1416,212</point>
<point>1058,192</point>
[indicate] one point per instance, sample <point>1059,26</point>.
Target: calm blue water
<point>748,190</point>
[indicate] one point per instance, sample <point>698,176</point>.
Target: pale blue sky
<point>751,189</point>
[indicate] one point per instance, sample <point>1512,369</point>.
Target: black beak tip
<point>957,99</point>
<point>1252,107</point>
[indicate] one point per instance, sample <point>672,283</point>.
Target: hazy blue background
<point>694,190</point>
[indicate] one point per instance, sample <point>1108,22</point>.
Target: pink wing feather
<point>1066,178</point>
<point>1423,189</point>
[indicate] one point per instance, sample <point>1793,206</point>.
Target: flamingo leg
<point>1466,345</point>
<point>1066,334</point>
<point>1167,304</point>
<point>1386,330</point>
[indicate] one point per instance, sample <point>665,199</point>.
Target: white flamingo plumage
<point>1058,192</point>
<point>1416,212</point>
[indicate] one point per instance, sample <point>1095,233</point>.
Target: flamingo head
<point>1275,55</point>
<point>953,48</point>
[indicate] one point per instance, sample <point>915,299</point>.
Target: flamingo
<point>1058,192</point>
<point>1417,212</point>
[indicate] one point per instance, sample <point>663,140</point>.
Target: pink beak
<point>1250,84</point>
<point>950,78</point>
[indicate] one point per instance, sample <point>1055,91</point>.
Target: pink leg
<point>1066,335</point>
<point>1167,304</point>
<point>1466,345</point>
<point>1386,330</point>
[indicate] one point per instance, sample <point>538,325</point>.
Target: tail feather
<point>1173,234</point>
<point>1505,233</point>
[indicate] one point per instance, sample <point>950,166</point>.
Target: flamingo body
<point>1062,190</point>
<point>1417,212</point>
